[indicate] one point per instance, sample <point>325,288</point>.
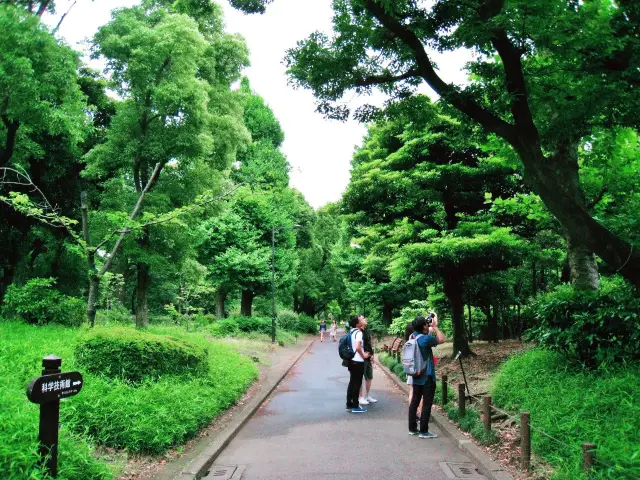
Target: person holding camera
<point>424,385</point>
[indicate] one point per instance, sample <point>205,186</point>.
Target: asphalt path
<point>303,431</point>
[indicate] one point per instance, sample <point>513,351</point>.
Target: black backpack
<point>345,347</point>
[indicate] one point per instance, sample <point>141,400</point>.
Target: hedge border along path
<point>150,418</point>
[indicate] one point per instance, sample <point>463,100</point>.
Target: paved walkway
<point>304,432</point>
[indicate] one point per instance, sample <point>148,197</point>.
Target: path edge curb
<point>199,465</point>
<point>490,467</point>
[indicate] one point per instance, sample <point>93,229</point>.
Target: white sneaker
<point>370,399</point>
<point>363,401</point>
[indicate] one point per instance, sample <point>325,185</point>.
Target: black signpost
<point>47,391</point>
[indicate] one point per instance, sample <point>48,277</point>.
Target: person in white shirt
<point>356,365</point>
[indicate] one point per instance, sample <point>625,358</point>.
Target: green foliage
<point>575,406</point>
<point>307,324</point>
<point>592,328</point>
<point>149,417</point>
<point>39,302</point>
<point>226,327</point>
<point>114,316</point>
<point>135,356</point>
<point>408,314</point>
<point>38,85</point>
<point>301,323</point>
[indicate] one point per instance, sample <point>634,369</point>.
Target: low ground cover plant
<point>575,406</point>
<point>149,417</point>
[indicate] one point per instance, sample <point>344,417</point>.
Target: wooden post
<point>461,400</point>
<point>445,395</point>
<point>588,453</point>
<point>487,413</point>
<point>525,441</point>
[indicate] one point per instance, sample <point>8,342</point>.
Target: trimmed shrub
<point>134,355</point>
<point>590,327</point>
<point>38,302</point>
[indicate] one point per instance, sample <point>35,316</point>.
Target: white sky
<point>318,150</point>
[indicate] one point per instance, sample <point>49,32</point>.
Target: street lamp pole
<point>273,285</point>
<point>273,278</point>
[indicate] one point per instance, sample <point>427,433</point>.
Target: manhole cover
<point>220,472</point>
<point>460,470</point>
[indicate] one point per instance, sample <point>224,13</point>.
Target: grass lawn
<point>149,418</point>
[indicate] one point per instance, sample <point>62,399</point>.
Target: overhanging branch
<point>488,120</point>
<point>382,79</point>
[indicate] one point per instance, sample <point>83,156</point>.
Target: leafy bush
<point>226,327</point>
<point>575,406</point>
<point>590,327</point>
<point>133,355</point>
<point>288,320</point>
<point>252,324</point>
<point>307,324</point>
<point>40,303</point>
<point>150,417</point>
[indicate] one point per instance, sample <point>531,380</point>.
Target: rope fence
<point>588,449</point>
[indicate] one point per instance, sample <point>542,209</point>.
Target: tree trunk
<point>492,325</point>
<point>582,266</point>
<point>142,294</point>
<point>221,297</point>
<point>246,303</point>
<point>453,291</point>
<point>387,313</point>
<point>92,297</point>
<point>534,278</point>
<point>470,324</point>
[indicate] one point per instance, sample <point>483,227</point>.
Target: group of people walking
<point>426,335</point>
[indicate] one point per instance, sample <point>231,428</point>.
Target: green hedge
<point>135,355</point>
<point>575,406</point>
<point>150,417</point>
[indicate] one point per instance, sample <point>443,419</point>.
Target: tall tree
<point>540,86</point>
<point>418,188</point>
<point>177,106</point>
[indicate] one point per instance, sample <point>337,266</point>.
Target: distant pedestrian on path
<point>333,331</point>
<point>356,365</point>
<point>365,398</point>
<point>323,329</point>
<point>424,384</point>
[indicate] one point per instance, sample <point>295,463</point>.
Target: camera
<point>429,318</point>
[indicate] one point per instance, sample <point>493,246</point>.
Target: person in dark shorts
<point>365,398</point>
<point>356,365</point>
<point>323,329</point>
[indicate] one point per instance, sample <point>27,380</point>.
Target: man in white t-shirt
<point>356,365</point>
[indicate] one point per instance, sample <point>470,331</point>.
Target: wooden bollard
<point>525,441</point>
<point>588,454</point>
<point>461,400</point>
<point>487,413</point>
<point>445,394</point>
